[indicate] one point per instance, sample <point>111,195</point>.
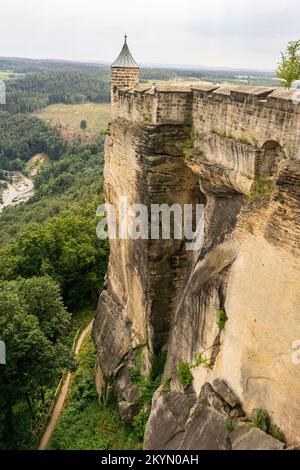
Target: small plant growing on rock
<point>229,425</point>
<point>262,189</point>
<point>200,360</point>
<point>260,419</point>
<point>134,375</point>
<point>184,374</point>
<point>276,432</point>
<point>139,423</point>
<point>221,319</point>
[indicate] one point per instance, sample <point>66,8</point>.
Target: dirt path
<point>62,395</point>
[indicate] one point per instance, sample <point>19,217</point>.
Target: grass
<point>221,319</point>
<point>79,320</point>
<point>68,118</point>
<point>262,189</point>
<point>184,374</point>
<point>261,420</point>
<point>243,139</point>
<point>229,425</point>
<point>6,74</point>
<point>86,424</point>
<point>147,385</point>
<point>200,360</point>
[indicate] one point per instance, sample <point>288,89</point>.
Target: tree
<point>33,361</point>
<point>288,69</point>
<point>83,125</point>
<point>43,299</point>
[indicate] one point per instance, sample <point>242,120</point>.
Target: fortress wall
<point>253,115</point>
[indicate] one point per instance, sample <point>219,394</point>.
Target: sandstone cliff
<point>228,313</point>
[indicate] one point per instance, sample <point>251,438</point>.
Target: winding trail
<point>62,395</point>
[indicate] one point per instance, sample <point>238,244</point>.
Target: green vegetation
<point>185,376</point>
<point>50,260</point>
<point>261,420</point>
<point>140,422</point>
<point>229,425</point>
<point>147,384</point>
<point>70,185</point>
<point>276,432</point>
<point>262,188</point>
<point>243,139</point>
<point>86,424</point>
<point>32,92</point>
<point>83,124</point>
<point>32,321</point>
<point>22,137</point>
<point>221,319</point>
<point>200,360</point>
<point>69,119</point>
<point>288,69</point>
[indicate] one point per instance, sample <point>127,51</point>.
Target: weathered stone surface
<point>226,393</point>
<point>169,415</point>
<point>211,398</point>
<point>246,437</point>
<point>160,294</point>
<point>205,431</point>
<point>128,411</point>
<point>180,422</point>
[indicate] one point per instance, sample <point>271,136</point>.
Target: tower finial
<point>125,36</point>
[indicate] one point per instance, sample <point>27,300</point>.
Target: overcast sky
<point>230,33</point>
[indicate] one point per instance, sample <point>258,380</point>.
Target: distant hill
<point>20,65</point>
<point>148,72</point>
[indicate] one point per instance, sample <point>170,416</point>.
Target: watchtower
<point>124,72</point>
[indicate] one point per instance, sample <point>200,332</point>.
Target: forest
<point>37,90</point>
<point>22,136</point>
<point>52,268</point>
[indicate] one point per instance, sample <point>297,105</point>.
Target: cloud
<point>219,32</point>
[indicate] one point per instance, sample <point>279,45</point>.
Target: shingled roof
<point>125,58</point>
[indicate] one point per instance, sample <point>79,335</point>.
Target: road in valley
<point>20,189</point>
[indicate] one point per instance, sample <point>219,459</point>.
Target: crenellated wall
<point>253,114</point>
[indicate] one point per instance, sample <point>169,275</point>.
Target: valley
<point>158,331</point>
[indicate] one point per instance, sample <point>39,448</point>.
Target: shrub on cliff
<point>184,374</point>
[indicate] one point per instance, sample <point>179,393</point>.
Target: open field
<point>6,74</point>
<point>68,118</point>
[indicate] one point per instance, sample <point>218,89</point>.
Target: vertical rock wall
<point>236,150</point>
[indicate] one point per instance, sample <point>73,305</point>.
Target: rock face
<point>247,438</point>
<point>235,150</point>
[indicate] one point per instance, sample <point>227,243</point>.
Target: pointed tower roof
<point>125,58</point>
